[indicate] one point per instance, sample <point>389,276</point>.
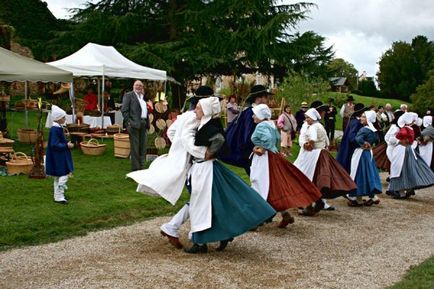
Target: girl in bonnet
<point>58,155</point>
<point>222,205</point>
<point>272,176</point>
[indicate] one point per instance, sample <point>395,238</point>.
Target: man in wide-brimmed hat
<point>299,116</point>
<point>347,110</point>
<point>330,120</point>
<point>348,145</point>
<point>238,145</point>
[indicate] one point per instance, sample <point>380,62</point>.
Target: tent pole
<point>26,113</point>
<point>72,99</point>
<point>102,99</point>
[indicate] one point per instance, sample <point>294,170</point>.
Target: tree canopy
<point>192,37</point>
<point>405,66</point>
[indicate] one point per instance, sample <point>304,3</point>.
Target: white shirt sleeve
<point>341,112</point>
<point>188,137</point>
<point>172,129</point>
<point>390,136</point>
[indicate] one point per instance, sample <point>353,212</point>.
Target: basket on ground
<point>19,164</point>
<point>27,135</point>
<point>92,147</point>
<point>121,145</point>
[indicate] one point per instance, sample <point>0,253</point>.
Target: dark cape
<point>348,144</point>
<point>238,145</point>
<point>58,160</point>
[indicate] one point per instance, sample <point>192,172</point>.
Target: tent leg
<point>26,113</point>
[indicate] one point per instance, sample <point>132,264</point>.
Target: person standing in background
<point>330,120</point>
<point>346,111</point>
<point>299,116</point>
<point>288,127</point>
<point>135,113</point>
<point>91,100</point>
<point>232,109</point>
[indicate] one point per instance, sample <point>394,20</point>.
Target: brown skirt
<point>380,157</point>
<point>331,178</point>
<point>289,187</point>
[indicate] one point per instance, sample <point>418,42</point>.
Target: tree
<point>338,67</point>
<point>404,67</point>
<point>423,97</point>
<point>297,88</point>
<point>367,87</point>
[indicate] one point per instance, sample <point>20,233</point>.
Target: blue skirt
<point>236,207</point>
<point>367,177</point>
<point>415,174</point>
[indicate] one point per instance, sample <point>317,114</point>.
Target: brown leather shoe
<point>172,240</point>
<point>286,219</point>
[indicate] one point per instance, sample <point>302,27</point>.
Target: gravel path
<point>368,247</point>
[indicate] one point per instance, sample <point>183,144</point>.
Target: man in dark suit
<point>135,114</point>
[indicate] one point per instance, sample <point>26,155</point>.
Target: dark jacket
<point>58,157</point>
<point>132,111</point>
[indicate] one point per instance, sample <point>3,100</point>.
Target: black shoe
<point>224,244</point>
<point>196,248</point>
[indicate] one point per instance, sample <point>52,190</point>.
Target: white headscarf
<point>211,109</point>
<point>262,111</point>
<point>406,119</point>
<point>371,117</point>
<point>57,113</point>
<point>427,120</point>
<point>313,114</point>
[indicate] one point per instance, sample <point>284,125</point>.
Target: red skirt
<point>331,178</point>
<point>380,157</point>
<point>289,187</point>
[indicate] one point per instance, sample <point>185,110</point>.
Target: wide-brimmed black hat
<point>359,108</point>
<point>350,97</point>
<point>257,91</point>
<point>316,104</point>
<point>203,91</point>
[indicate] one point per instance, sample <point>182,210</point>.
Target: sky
<point>359,30</point>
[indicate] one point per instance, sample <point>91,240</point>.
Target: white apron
<point>425,152</point>
<point>200,200</point>
<point>397,161</point>
<point>260,175</point>
<point>355,160</point>
<point>306,162</point>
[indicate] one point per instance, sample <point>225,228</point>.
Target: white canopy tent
<point>94,60</point>
<point>15,67</point>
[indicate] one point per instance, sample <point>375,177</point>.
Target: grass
<point>419,277</point>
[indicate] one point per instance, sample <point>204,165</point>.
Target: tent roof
<point>97,60</point>
<point>15,67</point>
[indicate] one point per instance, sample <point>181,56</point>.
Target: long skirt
<point>289,187</point>
<point>367,177</point>
<point>236,207</point>
<point>331,178</point>
<point>415,173</point>
<point>381,158</point>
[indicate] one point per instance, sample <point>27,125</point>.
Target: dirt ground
<point>367,247</point>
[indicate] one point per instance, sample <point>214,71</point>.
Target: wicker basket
<point>5,98</point>
<point>73,127</point>
<point>112,129</point>
<point>20,164</point>
<point>92,147</point>
<point>121,145</point>
<point>27,135</point>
